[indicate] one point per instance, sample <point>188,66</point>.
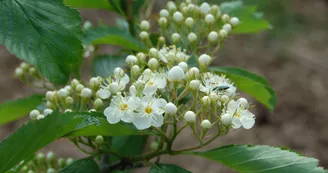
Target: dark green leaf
<point>121,144</point>
<point>250,83</point>
<point>31,137</point>
<point>87,165</point>
<point>114,36</point>
<point>167,168</point>
<point>121,6</point>
<point>97,4</point>
<point>261,159</point>
<point>15,109</point>
<point>104,65</point>
<point>250,20</point>
<point>44,33</point>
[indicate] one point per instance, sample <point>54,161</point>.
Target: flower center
<point>148,110</point>
<point>123,107</point>
<point>150,83</point>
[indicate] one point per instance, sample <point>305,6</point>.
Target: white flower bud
<point>40,117</point>
<point>227,27</point>
<point>144,25</point>
<point>206,101</point>
<point>92,110</point>
<point>68,111</point>
<point>192,37</point>
<point>131,60</point>
<point>144,35</point>
<point>86,93</point>
<point>40,158</point>
<point>114,87</point>
<point>194,84</point>
<point>32,71</point>
<point>119,72</point>
<point>161,40</point>
<point>218,14</point>
<point>223,33</point>
<point>94,82</point>
<point>188,1</point>
<point>178,17</point>
<point>19,72</point>
<point>135,69</point>
<point>170,109</point>
<point>133,90</point>
<point>153,52</point>
<point>162,22</point>
<point>175,37</point>
<point>153,63</point>
<point>79,87</point>
<point>51,170</point>
<point>205,8</point>
<point>204,59</point>
<point>68,88</point>
<point>226,119</point>
<point>164,13</point>
<point>176,74</point>
<point>34,113</point>
<point>69,161</point>
<point>213,37</point>
<point>209,19</point>
<point>147,72</point>
<point>206,124</point>
<point>184,66</point>
<point>243,102</point>
<point>49,105</point>
<point>214,97</point>
<point>189,21</point>
<point>171,6</point>
<point>99,140</point>
<point>74,83</point>
<point>24,66</point>
<point>69,101</point>
<point>61,162</point>
<point>141,56</point>
<point>190,116</point>
<point>215,8</point>
<point>63,93</point>
<point>50,157</point>
<point>47,112</point>
<point>98,103</point>
<point>234,21</point>
<point>87,25</point>
<point>193,73</point>
<point>50,95</point>
<point>224,99</point>
<point>225,18</point>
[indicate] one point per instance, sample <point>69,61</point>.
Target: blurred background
<point>292,56</point>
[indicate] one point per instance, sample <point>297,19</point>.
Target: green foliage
<point>86,165</point>
<point>97,4</point>
<point>114,36</point>
<point>250,20</point>
<point>104,65</point>
<point>121,6</point>
<point>164,168</point>
<point>250,83</point>
<point>264,159</point>
<point>44,33</point>
<point>15,109</point>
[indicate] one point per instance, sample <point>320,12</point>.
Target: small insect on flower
<point>221,88</point>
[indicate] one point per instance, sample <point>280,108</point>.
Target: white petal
<point>158,120</point>
<point>127,116</point>
<point>104,93</point>
<point>236,123</point>
<point>232,107</point>
<point>149,90</point>
<point>160,103</point>
<point>124,80</point>
<point>160,82</point>
<point>202,88</point>
<point>141,123</point>
<point>247,122</point>
<point>113,116</point>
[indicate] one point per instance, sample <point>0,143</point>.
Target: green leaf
<point>44,33</point>
<point>114,36</point>
<point>250,20</point>
<point>96,4</point>
<point>87,165</point>
<point>250,83</point>
<point>15,109</point>
<point>121,6</point>
<point>261,159</point>
<point>36,134</point>
<point>165,168</point>
<point>104,65</point>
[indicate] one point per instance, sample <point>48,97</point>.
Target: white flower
<point>153,82</point>
<point>115,85</point>
<point>205,8</point>
<point>164,13</point>
<point>121,108</point>
<point>149,113</point>
<point>218,84</point>
<point>177,16</point>
<point>34,114</point>
<point>240,116</point>
<point>163,53</point>
<point>176,74</point>
<point>47,112</point>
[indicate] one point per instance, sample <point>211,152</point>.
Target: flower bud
<point>141,56</point>
<point>92,110</point>
<point>34,114</point>
<point>50,95</point>
<point>209,19</point>
<point>47,112</point>
<point>225,18</point>
<point>32,71</point>
<point>227,27</point>
<point>205,8</point>
<point>164,13</point>
<point>144,25</point>
<point>204,60</point>
<point>243,102</point>
<point>24,66</point>
<point>144,35</point>
<point>24,169</point>
<point>226,119</point>
<point>223,33</point>
<point>154,145</point>
<point>171,6</point>
<point>175,37</point>
<point>215,8</point>
<point>131,60</point>
<point>51,170</point>
<point>234,21</point>
<point>190,116</point>
<point>133,90</point>
<point>19,72</point>
<point>218,14</point>
<point>153,52</point>
<point>193,73</point>
<point>79,87</point>
<point>206,101</point>
<point>99,140</point>
<point>94,82</point>
<point>40,158</point>
<point>206,124</point>
<point>30,171</point>
<point>119,72</point>
<point>184,66</point>
<point>87,25</point>
<point>40,117</point>
<point>162,22</point>
<point>161,40</point>
<point>192,37</point>
<point>68,111</point>
<point>214,97</point>
<point>177,16</point>
<point>224,99</point>
<point>69,161</point>
<point>86,93</point>
<point>74,83</point>
<point>213,37</point>
<point>153,63</point>
<point>114,87</point>
<point>50,157</point>
<point>170,109</point>
<point>194,84</point>
<point>61,162</point>
<point>176,74</point>
<point>147,72</point>
<point>98,103</point>
<point>63,93</point>
<point>135,70</point>
<point>69,101</point>
<point>189,21</point>
<point>68,88</point>
<point>50,105</point>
